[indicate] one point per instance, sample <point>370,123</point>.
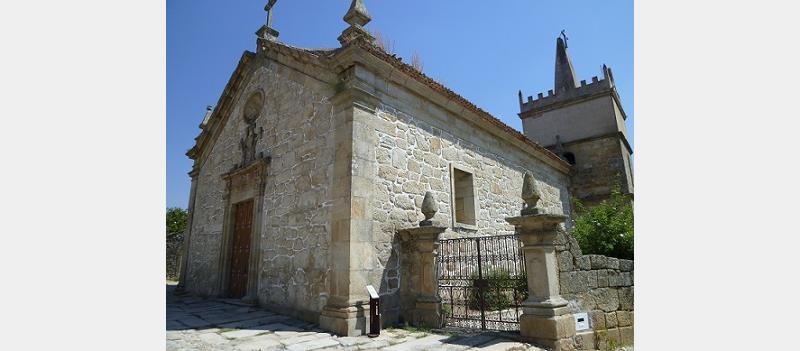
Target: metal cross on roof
<point>268,8</point>
<point>564,34</point>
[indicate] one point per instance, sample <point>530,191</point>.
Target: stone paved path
<point>218,324</point>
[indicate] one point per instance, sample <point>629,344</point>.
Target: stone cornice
<point>394,70</point>
<point>211,130</point>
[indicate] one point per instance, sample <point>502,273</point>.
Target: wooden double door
<point>240,249</point>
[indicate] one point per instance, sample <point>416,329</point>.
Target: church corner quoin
<point>331,153</point>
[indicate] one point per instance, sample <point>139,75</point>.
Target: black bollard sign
<point>374,312</point>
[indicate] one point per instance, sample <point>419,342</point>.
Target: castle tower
<point>584,123</point>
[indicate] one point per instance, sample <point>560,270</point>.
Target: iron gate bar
<point>479,279</point>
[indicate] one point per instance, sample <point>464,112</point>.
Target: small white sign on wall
<point>581,321</point>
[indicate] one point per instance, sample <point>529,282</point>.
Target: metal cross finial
<point>564,34</point>
<point>268,8</point>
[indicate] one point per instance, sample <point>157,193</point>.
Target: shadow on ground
<point>195,323</point>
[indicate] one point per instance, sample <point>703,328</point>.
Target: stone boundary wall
<point>174,243</point>
<point>600,286</point>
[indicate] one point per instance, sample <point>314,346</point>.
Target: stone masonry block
<point>612,263</point>
<point>598,320</point>
<point>624,318</point>
<point>602,278</point>
<point>585,340</point>
<point>583,263</point>
<point>573,282</point>
<point>606,298</point>
<point>611,320</point>
<point>626,265</point>
<point>565,261</point>
<point>605,336</point>
<point>627,279</point>
<point>626,298</point>
<point>591,279</point>
<point>626,335</point>
<point>598,261</point>
<point>614,278</point>
<point>552,328</point>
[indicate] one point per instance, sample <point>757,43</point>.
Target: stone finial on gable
<point>357,17</point>
<point>530,194</point>
<point>266,31</point>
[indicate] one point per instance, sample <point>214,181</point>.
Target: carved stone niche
<point>250,113</point>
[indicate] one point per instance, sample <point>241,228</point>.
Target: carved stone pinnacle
<point>357,15</point>
<point>429,209</point>
<point>530,194</point>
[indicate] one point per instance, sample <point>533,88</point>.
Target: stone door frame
<point>242,184</point>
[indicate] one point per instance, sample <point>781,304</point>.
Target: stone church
<point>313,160</point>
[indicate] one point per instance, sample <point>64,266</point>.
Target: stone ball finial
<point>530,194</point>
<point>429,209</point>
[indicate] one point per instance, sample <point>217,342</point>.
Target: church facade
<point>314,159</point>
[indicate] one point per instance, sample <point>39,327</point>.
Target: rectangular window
<point>464,197</point>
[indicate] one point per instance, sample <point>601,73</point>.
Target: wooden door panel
<point>240,250</point>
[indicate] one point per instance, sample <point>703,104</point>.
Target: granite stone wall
<point>298,135</point>
<point>600,286</point>
<point>599,164</point>
<point>174,243</point>
<point>414,153</point>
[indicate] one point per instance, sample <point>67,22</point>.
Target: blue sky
<point>483,50</point>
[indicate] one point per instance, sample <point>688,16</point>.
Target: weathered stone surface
<point>602,278</point>
<point>606,298</point>
<point>565,261</point>
<point>583,263</point>
<point>626,265</point>
<point>598,320</point>
<point>626,335</point>
<point>312,345</point>
<point>260,343</point>
<point>612,263</point>
<point>237,334</point>
<point>212,339</point>
<point>611,320</point>
<point>626,298</point>
<point>625,318</point>
<point>598,261</point>
<point>296,118</point>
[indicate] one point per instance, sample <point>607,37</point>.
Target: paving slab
<point>319,343</point>
<point>260,343</point>
<point>205,325</point>
<point>194,322</point>
<point>419,344</point>
<point>502,345</point>
<point>238,334</point>
<point>213,339</point>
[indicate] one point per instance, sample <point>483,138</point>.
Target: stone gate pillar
<point>422,248</point>
<point>545,318</point>
<point>423,245</point>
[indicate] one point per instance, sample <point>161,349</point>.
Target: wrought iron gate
<point>482,282</point>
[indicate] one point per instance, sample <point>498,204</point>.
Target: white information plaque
<point>372,293</point>
<point>581,321</point>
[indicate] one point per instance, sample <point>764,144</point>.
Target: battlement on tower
<point>585,89</point>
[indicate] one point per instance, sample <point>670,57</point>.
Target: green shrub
<point>500,291</point>
<point>607,228</point>
<point>176,220</point>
